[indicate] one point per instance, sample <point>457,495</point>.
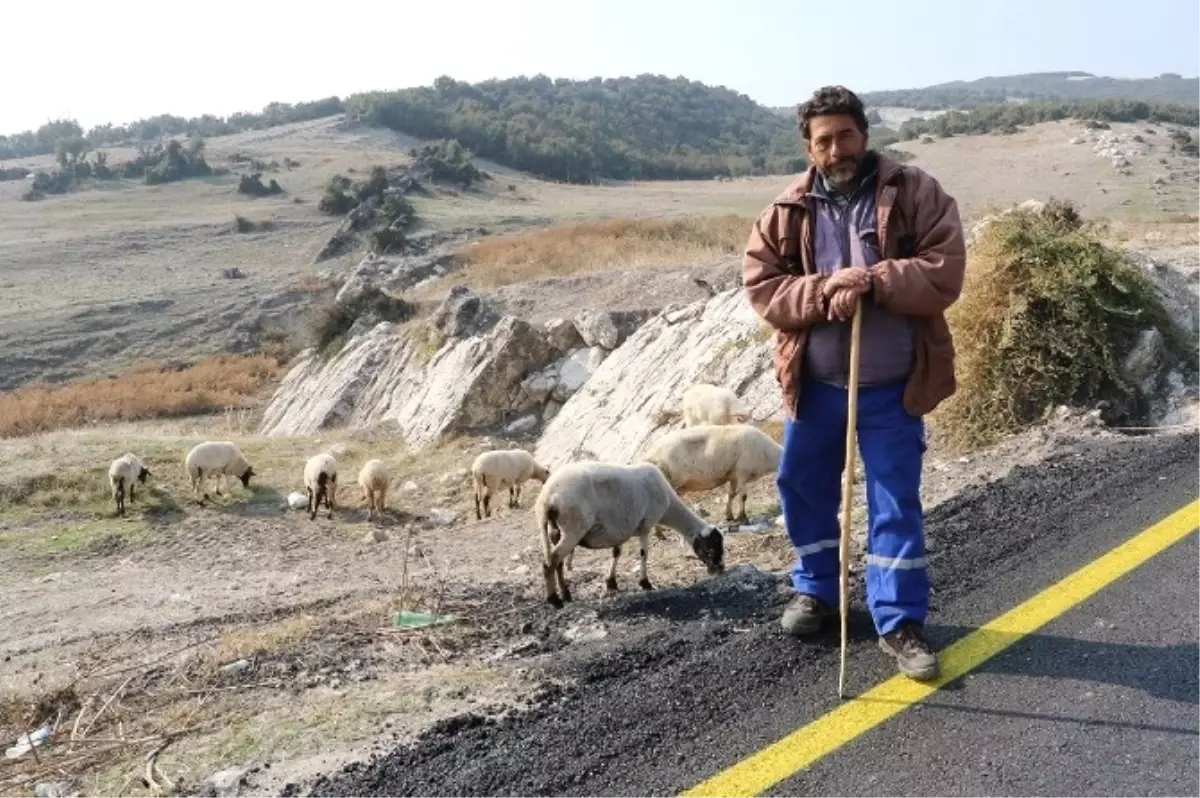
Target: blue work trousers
<point>891,443</point>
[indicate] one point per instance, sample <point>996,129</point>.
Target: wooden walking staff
<point>848,488</point>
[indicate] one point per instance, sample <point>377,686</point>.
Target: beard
<point>840,174</point>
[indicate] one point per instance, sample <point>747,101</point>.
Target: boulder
<point>464,369</point>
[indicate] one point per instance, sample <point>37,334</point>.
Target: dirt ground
<point>255,638</point>
<point>242,635</point>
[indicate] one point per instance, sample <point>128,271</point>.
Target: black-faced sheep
<point>600,506</point>
<point>711,455</point>
<point>373,478</point>
<point>216,459</point>
<point>123,474</point>
<point>507,468</point>
<point>320,481</point>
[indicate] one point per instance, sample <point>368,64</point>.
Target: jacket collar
<point>886,168</point>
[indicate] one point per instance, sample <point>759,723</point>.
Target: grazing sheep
<point>373,479</point>
<point>711,455</point>
<point>320,480</point>
<point>712,404</point>
<point>600,506</point>
<point>123,474</point>
<point>217,459</point>
<point>505,468</point>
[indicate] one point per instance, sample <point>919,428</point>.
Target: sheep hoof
<point>555,602</point>
<point>610,585</point>
<point>743,519</point>
<point>644,584</point>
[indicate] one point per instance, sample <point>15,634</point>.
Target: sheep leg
<point>610,584</point>
<point>330,494</point>
<point>644,539</point>
<point>736,486</point>
<point>487,501</point>
<point>119,497</point>
<point>558,556</point>
<point>131,487</point>
<point>548,574</point>
<point>563,590</point>
<point>314,501</point>
<point>478,512</point>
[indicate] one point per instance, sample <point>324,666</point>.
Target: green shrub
<point>1046,317</point>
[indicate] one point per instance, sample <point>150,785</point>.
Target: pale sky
<point>122,60</point>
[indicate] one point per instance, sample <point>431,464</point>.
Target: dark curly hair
<point>830,100</point>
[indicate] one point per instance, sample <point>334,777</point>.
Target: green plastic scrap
<point>414,620</point>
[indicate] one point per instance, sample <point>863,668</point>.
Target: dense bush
<point>1046,317</point>
<point>331,320</point>
<point>1008,118</point>
<point>253,186</point>
<point>447,162</point>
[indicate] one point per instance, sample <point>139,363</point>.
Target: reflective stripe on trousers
<point>891,443</point>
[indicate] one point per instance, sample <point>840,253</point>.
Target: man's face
<point>836,147</point>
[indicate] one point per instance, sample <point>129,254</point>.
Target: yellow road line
<point>782,759</point>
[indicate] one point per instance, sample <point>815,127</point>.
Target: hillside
<point>648,127</point>
<point>1044,86</point>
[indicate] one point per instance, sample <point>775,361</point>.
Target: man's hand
<point>841,305</point>
<point>851,277</point>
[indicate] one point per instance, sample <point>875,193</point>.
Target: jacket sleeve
<point>928,283</point>
<point>786,301</point>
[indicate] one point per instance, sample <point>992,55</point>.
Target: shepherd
<point>858,230</point>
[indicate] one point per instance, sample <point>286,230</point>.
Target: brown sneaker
<point>804,615</point>
<point>914,657</point>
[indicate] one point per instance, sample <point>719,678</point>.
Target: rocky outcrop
<point>465,368</point>
<point>617,411</point>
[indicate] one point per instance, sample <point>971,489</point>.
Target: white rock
<point>573,372</point>
<point>612,417</point>
<point>394,375</point>
<point>597,329</point>
<point>523,424</point>
<point>1146,356</point>
<point>456,477</point>
<point>539,386</point>
<point>226,783</point>
<point>409,487</point>
<point>550,411</point>
<point>441,517</point>
<point>297,501</point>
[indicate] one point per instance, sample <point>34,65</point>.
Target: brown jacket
<point>924,258</point>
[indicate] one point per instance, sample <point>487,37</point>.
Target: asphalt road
<point>1102,700</point>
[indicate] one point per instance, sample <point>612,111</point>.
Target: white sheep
<point>373,478</point>
<point>320,481</point>
<point>711,455</point>
<point>217,459</point>
<point>600,506</point>
<point>504,468</point>
<point>123,474</point>
<point>712,404</point>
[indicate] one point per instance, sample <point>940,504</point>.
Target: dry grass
<point>1045,318</point>
<point>591,246</point>
<point>146,391</point>
<point>1170,229</point>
